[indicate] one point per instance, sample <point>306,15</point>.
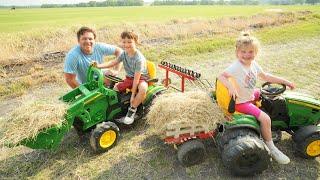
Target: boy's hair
<point>245,39</point>
<point>83,30</point>
<point>130,35</point>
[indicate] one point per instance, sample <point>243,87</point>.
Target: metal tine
<point>194,84</point>
<point>208,82</point>
<point>206,85</point>
<point>200,81</point>
<point>198,84</point>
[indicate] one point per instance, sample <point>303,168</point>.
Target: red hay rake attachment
<point>185,74</point>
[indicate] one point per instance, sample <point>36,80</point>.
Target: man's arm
<point>117,52</point>
<point>108,64</point>
<point>71,80</point>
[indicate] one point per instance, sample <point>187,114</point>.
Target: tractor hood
<point>302,99</point>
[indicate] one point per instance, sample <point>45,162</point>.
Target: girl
<point>245,72</point>
<point>135,67</point>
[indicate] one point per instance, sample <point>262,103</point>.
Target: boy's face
<point>86,42</point>
<point>246,54</point>
<point>128,45</point>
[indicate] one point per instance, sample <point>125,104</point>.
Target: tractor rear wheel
<point>191,153</point>
<point>245,154</point>
<point>104,137</point>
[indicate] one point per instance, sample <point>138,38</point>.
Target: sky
<point>39,2</point>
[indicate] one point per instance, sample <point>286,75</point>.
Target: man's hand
<point>94,64</point>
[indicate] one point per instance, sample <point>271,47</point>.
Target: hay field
<point>290,48</point>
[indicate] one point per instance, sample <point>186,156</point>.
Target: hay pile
<point>33,115</point>
<point>194,107</point>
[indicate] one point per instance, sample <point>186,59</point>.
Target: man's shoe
<point>281,158</point>
<point>130,116</point>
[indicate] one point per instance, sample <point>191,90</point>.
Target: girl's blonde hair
<point>245,40</point>
<point>130,35</point>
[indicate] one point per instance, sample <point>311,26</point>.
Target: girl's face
<point>246,54</point>
<point>128,45</point>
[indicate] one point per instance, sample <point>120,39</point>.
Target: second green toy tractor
<point>240,144</point>
<point>94,108</point>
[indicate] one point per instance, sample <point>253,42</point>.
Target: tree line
<point>232,2</point>
<point>98,4</point>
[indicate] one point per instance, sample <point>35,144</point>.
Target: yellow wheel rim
<point>108,138</point>
<point>313,149</point>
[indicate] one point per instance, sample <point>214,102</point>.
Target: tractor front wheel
<point>104,137</point>
<point>245,154</point>
<point>191,153</point>
<point>309,148</point>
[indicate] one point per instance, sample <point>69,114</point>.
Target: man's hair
<point>130,35</point>
<point>83,30</point>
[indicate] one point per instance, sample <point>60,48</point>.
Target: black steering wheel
<point>272,89</point>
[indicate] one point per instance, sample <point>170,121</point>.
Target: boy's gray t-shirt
<point>246,78</point>
<point>134,64</point>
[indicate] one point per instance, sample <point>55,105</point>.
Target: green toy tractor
<point>239,142</point>
<point>93,108</point>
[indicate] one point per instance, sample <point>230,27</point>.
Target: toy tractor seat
<point>152,71</point>
<point>223,98</point>
<point>225,101</point>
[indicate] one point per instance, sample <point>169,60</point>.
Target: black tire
<point>245,154</point>
<point>276,136</point>
<point>148,106</point>
<point>191,153</point>
<point>225,136</point>
<point>309,147</point>
<point>104,137</point>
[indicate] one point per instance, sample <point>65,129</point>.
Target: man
<point>81,56</point>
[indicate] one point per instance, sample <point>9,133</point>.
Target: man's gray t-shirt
<point>246,78</point>
<point>134,64</point>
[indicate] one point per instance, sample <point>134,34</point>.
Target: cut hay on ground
<point>194,107</point>
<point>33,115</point>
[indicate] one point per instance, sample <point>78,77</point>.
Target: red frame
<point>182,75</point>
<point>185,137</point>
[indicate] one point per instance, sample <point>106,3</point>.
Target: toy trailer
<point>187,138</point>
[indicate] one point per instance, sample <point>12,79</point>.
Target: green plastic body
<point>303,110</point>
<point>89,104</point>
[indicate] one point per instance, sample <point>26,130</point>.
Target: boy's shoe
<point>277,155</point>
<point>130,116</point>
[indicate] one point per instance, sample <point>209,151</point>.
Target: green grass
<point>28,19</point>
<point>290,32</point>
<point>194,46</point>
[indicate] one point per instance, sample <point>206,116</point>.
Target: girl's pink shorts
<point>248,107</point>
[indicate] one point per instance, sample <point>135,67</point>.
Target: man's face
<point>86,42</point>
